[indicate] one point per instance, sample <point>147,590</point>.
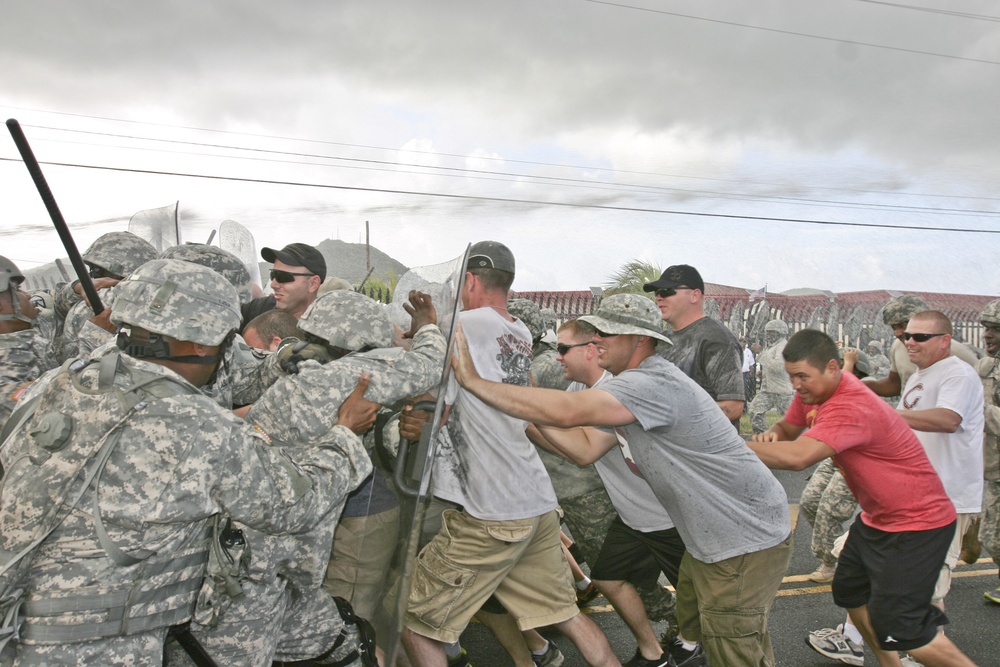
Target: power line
<point>794,33</point>
<point>483,157</point>
<point>934,10</point>
<point>482,174</point>
<point>509,200</point>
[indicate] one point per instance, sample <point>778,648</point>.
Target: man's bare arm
<point>933,420</point>
<point>582,445</point>
<point>545,407</point>
<point>796,454</point>
<point>781,430</point>
<point>732,409</point>
<point>888,386</point>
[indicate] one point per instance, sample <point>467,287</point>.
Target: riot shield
<point>413,463</point>
<point>238,240</point>
<point>159,226</point>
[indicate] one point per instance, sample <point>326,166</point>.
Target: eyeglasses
<point>279,276</point>
<point>562,348</point>
<point>920,337</point>
<point>605,335</point>
<point>668,292</point>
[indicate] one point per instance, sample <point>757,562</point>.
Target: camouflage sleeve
<point>280,488</point>
<point>65,298</point>
<point>252,372</point>
<point>91,337</point>
<point>303,406</point>
<point>548,372</point>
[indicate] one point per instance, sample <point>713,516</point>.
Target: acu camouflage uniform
<point>284,613</point>
<point>989,371</point>
<point>775,387</point>
<point>827,503</point>
<point>116,254</point>
<point>25,354</point>
<point>159,461</point>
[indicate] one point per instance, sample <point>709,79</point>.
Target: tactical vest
<point>59,443</point>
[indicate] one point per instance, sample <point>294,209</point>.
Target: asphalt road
<point>800,606</point>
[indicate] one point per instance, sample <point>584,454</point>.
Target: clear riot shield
<point>159,226</point>
<point>238,240</point>
<point>413,463</point>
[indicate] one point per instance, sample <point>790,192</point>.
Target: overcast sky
<point>582,134</point>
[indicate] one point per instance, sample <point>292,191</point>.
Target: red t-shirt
<point>882,461</point>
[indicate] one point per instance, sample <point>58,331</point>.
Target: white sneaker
<point>832,643</point>
<point>908,661</point>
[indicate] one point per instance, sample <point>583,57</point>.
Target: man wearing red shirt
<point>894,552</point>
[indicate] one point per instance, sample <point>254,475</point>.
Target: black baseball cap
<point>679,275</point>
<point>298,254</point>
<point>491,255</point>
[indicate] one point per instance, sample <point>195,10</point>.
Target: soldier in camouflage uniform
<point>989,371</point>
<point>25,338</point>
<point>284,612</point>
<point>110,258</point>
<point>879,362</point>
<point>116,468</point>
<point>587,510</point>
<point>775,387</point>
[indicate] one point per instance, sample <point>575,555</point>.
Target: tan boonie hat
<point>628,314</point>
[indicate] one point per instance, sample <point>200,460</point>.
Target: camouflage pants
<point>763,402</point>
<point>588,516</point>
<point>827,504</point>
<point>270,622</point>
<point>989,529</point>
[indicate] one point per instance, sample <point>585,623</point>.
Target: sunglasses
<point>605,335</point>
<point>279,276</point>
<point>562,348</point>
<point>920,338</point>
<point>668,292</point>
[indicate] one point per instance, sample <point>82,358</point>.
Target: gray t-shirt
<point>708,353</point>
<point>723,500</point>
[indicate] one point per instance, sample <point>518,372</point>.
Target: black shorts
<point>637,557</point>
<point>894,574</point>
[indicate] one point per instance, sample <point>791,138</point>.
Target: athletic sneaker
<point>638,661</point>
<point>552,657</point>
<point>993,596</point>
<point>908,660</point>
<point>823,574</point>
<point>461,660</point>
<point>832,643</point>
<point>686,657</point>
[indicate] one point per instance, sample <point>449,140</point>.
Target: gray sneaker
<point>552,657</point>
<point>832,643</point>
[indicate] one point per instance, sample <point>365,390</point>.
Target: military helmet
<point>529,313</point>
<point>119,253</point>
<point>348,320</point>
<point>549,319</point>
<point>991,313</point>
<point>221,261</point>
<point>777,326</point>
<point>10,275</point>
<point>862,365</point>
<point>184,300</point>
<point>902,308</point>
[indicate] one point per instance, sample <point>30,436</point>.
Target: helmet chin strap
<point>143,344</point>
<point>15,303</point>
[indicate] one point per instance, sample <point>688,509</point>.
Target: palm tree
<point>630,278</point>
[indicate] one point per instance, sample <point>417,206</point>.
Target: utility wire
<point>481,174</point>
<point>465,157</point>
<point>510,200</point>
<point>794,33</point>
